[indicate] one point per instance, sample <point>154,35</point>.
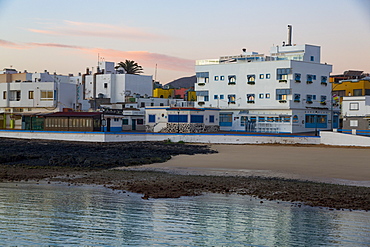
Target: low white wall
<point>54,135</point>
<point>192,138</point>
<point>340,139</point>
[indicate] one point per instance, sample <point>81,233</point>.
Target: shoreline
<point>20,163</point>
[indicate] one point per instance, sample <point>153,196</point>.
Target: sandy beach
<point>343,165</point>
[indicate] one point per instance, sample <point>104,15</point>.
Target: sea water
<point>60,215</point>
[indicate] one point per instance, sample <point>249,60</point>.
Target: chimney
<point>289,35</point>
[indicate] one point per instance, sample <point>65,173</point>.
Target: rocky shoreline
<point>94,163</point>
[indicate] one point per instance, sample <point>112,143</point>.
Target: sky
<point>68,36</point>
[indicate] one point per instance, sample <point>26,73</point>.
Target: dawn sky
<point>67,36</point>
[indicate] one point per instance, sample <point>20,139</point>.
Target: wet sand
<point>342,165</point>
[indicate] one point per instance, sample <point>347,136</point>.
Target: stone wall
<point>189,128</point>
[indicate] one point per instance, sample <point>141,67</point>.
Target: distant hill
<point>184,82</point>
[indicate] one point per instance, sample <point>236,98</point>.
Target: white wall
<point>340,139</point>
<point>363,103</point>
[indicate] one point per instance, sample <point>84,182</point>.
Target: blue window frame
<point>231,98</point>
<point>268,76</point>
<point>215,96</point>
<point>316,121</point>
<point>297,97</point>
<point>216,77</point>
<point>152,118</point>
<point>226,119</point>
<point>222,78</point>
<point>221,96</point>
<point>176,118</point>
<point>211,118</point>
<point>297,77</point>
<point>196,118</point>
<point>206,98</point>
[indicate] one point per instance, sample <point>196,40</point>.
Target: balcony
<point>324,83</point>
<point>283,81</point>
<point>251,82</point>
<point>282,101</point>
<point>231,83</point>
<point>250,101</point>
<point>201,83</point>
<point>298,81</point>
<point>309,82</point>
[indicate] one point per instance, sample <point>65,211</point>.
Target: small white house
<point>181,119</point>
<point>356,112</point>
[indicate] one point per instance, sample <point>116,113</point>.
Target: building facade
<point>356,112</point>
<point>286,92</point>
<point>29,94</point>
<point>181,119</point>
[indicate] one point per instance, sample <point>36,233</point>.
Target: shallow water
<point>56,214</point>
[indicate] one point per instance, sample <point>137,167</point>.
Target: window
<point>354,106</point>
<point>312,58</point>
<point>232,79</point>
<point>226,119</point>
<point>211,118</point>
<point>353,123</point>
<point>267,96</point>
<point>315,121</point>
<point>216,78</point>
<point>281,94</point>
<point>161,104</point>
<point>4,94</point>
<point>140,121</point>
<point>309,79</point>
<point>357,92</point>
<point>324,80</point>
<point>15,95</point>
<point>295,119</point>
<point>323,100</point>
<point>243,120</point>
<point>314,96</point>
<point>297,97</point>
<point>314,77</point>
<point>125,121</point>
<point>222,78</point>
<point>282,74</point>
<point>231,98</point>
<point>215,96</point>
<point>151,118</point>
<point>261,95</point>
<point>30,94</point>
<point>268,76</point>
<point>262,76</point>
<point>251,79</point>
<point>206,98</point>
<point>297,77</point>
<point>177,118</point>
<point>261,119</point>
<point>221,96</point>
<point>202,77</point>
<point>250,98</point>
<point>196,118</point>
<point>309,99</point>
<point>105,85</point>
<point>142,104</point>
<point>46,95</point>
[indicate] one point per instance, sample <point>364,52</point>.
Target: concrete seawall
<point>128,137</point>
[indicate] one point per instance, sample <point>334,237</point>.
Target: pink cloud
<point>99,30</point>
<point>144,58</point>
<point>9,44</point>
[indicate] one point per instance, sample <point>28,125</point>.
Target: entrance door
<point>133,124</point>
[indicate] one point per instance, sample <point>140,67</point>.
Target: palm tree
<point>130,66</point>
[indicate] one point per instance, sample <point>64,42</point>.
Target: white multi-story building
<point>287,91</point>
<point>30,94</point>
<point>114,85</point>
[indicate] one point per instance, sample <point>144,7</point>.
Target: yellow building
<point>352,87</point>
<point>163,93</point>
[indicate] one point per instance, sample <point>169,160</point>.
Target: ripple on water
<point>33,214</point>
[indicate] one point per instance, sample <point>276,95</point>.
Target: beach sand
<point>341,165</point>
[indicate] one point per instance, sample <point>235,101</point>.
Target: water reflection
<point>57,214</point>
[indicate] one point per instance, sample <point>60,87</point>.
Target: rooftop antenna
<point>290,30</point>
<point>155,73</point>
